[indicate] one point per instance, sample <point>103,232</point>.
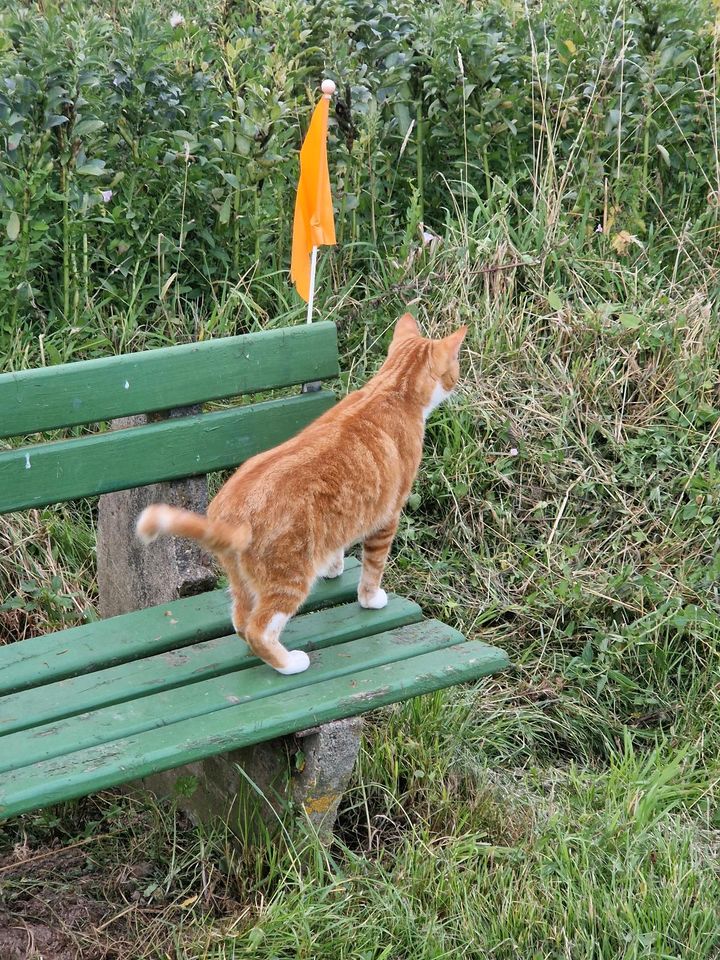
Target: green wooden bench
<point>112,701</point>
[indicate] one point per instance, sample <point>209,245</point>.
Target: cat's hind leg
<point>242,599</point>
<point>335,566</point>
<point>272,611</point>
<point>376,548</point>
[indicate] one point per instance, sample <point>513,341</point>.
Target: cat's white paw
<point>334,571</point>
<point>335,568</point>
<point>376,601</point>
<point>298,661</point>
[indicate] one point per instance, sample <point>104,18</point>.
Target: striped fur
<point>286,516</point>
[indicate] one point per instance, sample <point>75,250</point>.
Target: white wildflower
<point>176,19</point>
<point>106,195</point>
<point>429,239</point>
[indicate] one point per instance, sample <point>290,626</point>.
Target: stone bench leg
<point>310,770</point>
<point>257,784</point>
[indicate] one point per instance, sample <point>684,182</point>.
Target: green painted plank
<point>74,393</point>
<point>116,460</point>
<point>189,665</point>
<point>94,646</point>
<point>198,700</point>
<point>85,771</point>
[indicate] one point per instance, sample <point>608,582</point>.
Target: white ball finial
<point>328,88</point>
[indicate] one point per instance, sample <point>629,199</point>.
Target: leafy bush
<point>148,166</point>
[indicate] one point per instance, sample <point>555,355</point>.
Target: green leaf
<point>243,145</point>
<point>225,210</point>
<point>87,126</point>
<point>554,300</point>
<point>402,113</point>
<point>630,321</point>
<point>92,168</point>
<point>13,226</point>
<point>53,354</point>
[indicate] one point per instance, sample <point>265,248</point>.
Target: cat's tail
<point>216,535</point>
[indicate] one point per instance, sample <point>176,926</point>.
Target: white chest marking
<point>436,398</point>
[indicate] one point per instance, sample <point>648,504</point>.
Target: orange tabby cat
<point>286,516</point>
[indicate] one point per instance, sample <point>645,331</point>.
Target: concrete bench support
<point>310,771</point>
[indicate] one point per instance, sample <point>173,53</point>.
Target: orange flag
<point>314,224</point>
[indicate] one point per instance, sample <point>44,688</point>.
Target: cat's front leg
<point>375,553</point>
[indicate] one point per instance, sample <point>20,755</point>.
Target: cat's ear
<point>405,328</point>
<point>451,345</point>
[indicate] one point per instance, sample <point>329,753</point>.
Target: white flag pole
<point>328,89</point>
<point>311,300</point>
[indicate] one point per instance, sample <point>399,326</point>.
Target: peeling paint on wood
<point>119,459</point>
<point>86,770</point>
<point>143,633</point>
<point>106,724</point>
<point>72,393</point>
<point>211,658</point>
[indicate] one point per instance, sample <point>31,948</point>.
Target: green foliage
<point>149,166</point>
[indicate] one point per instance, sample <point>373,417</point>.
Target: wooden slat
<point>117,460</point>
<point>197,700</point>
<point>189,665</point>
<point>132,636</point>
<point>74,393</point>
<point>84,771</point>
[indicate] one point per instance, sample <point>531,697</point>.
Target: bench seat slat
<point>179,376</point>
<point>189,665</point>
<point>47,473</point>
<point>196,700</point>
<point>94,646</point>
<point>94,768</point>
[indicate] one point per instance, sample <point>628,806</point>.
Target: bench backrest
<point>71,394</point>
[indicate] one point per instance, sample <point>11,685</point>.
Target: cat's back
<point>364,439</point>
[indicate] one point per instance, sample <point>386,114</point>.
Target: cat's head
<point>438,369</point>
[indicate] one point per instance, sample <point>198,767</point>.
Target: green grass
<point>567,510</point>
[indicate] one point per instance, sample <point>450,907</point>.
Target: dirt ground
<point>136,888</point>
<point>52,906</point>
